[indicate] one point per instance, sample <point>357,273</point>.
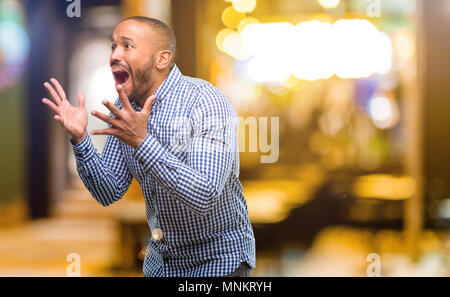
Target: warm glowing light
<point>384,57</point>
<point>270,201</point>
<point>242,93</point>
<point>266,205</point>
<point>380,108</point>
<point>360,49</point>
<point>245,22</point>
<point>261,70</point>
<point>404,45</point>
<point>311,50</point>
<point>383,111</point>
<point>277,89</point>
<point>291,82</point>
<point>312,56</point>
<point>270,46</point>
<point>220,38</point>
<point>245,6</point>
<point>384,186</point>
<point>267,39</point>
<point>231,18</point>
<point>232,45</point>
<point>323,17</point>
<point>329,3</point>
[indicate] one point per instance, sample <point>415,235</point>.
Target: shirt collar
<point>168,84</point>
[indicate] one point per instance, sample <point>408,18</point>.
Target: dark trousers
<point>244,270</point>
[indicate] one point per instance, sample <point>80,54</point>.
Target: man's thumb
<point>149,102</point>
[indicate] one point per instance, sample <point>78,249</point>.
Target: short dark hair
<point>168,39</point>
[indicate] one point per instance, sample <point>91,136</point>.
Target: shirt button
<point>157,234</point>
<point>153,192</point>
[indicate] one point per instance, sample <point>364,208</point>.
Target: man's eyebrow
<point>123,38</point>
<point>126,38</point>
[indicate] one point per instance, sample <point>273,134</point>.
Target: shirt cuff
<point>84,150</point>
<point>148,152</point>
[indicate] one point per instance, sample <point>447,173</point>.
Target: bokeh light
<point>329,3</point>
<point>245,22</point>
<point>384,186</point>
<point>360,49</point>
<point>14,43</point>
<point>383,111</point>
<point>270,46</point>
<point>314,50</point>
<point>220,38</point>
<point>245,6</point>
<point>404,46</point>
<point>312,56</point>
<point>232,45</point>
<point>231,18</point>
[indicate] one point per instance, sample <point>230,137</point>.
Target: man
<point>188,172</point>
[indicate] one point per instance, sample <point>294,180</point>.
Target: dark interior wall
<point>184,18</point>
<point>435,71</point>
<point>41,24</point>
<point>434,75</point>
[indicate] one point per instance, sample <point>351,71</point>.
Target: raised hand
<point>72,118</point>
<point>127,125</point>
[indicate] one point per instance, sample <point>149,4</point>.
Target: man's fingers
<point>81,99</point>
<point>112,108</point>
<point>52,105</point>
<point>59,119</point>
<point>59,89</point>
<point>109,131</point>
<point>103,117</point>
<point>123,97</point>
<point>52,93</point>
<point>148,103</point>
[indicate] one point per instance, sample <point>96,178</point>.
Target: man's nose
<point>116,56</point>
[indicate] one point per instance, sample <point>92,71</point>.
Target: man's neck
<point>160,77</point>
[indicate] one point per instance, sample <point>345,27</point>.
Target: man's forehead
<point>132,31</point>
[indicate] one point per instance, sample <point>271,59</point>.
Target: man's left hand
<point>128,125</point>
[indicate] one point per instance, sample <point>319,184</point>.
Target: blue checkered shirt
<point>188,169</point>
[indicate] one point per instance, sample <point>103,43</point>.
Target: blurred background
<point>361,93</point>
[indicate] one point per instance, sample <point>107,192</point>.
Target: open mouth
<point>121,76</point>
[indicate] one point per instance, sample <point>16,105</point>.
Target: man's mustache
<point>128,68</point>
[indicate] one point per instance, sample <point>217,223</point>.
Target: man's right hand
<point>72,119</point>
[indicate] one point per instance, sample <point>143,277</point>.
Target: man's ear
<point>163,59</point>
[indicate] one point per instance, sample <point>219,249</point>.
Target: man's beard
<point>141,81</point>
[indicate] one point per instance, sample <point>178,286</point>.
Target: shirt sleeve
<point>198,182</point>
<point>105,175</point>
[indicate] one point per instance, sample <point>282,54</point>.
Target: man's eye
<point>128,46</point>
<point>113,47</point>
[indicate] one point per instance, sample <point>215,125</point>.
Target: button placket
<point>150,200</point>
